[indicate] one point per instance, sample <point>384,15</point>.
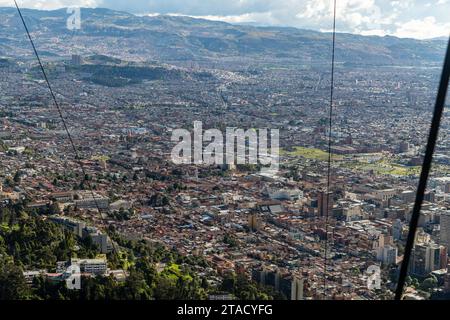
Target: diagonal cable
<point>428,159</point>
<point>58,108</point>
<point>330,126</point>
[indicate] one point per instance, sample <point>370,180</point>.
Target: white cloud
<point>373,32</point>
<point>50,4</point>
<point>409,18</point>
<point>404,4</point>
<point>255,17</point>
<point>352,15</point>
<point>422,29</point>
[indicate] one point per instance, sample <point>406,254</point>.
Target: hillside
<point>177,39</point>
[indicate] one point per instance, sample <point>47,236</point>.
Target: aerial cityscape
<point>93,205</point>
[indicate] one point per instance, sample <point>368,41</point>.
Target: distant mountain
<point>440,39</point>
<point>183,39</point>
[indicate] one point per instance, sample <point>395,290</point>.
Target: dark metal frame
<point>434,132</point>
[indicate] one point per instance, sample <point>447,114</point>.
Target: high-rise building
<point>292,287</point>
<point>397,229</point>
<point>447,188</point>
<point>387,255</point>
<point>445,229</point>
<point>429,196</point>
<point>324,203</point>
<point>254,222</point>
<point>76,60</point>
<point>447,280</point>
<point>418,261</point>
<point>428,257</point>
<point>288,284</point>
<point>403,147</point>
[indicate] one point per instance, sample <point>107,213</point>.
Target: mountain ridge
<point>182,38</point>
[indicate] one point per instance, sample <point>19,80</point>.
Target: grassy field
<point>381,167</point>
<point>100,158</point>
<point>387,165</point>
<point>441,169</point>
<point>309,153</point>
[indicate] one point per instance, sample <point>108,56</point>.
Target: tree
<point>148,270</point>
<point>244,288</point>
<point>164,289</point>
<point>53,209</point>
<point>9,182</point>
<point>230,241</point>
<point>429,284</point>
<point>17,177</point>
<point>135,287</point>
<point>12,283</point>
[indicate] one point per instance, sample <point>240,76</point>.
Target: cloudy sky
<point>403,18</point>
